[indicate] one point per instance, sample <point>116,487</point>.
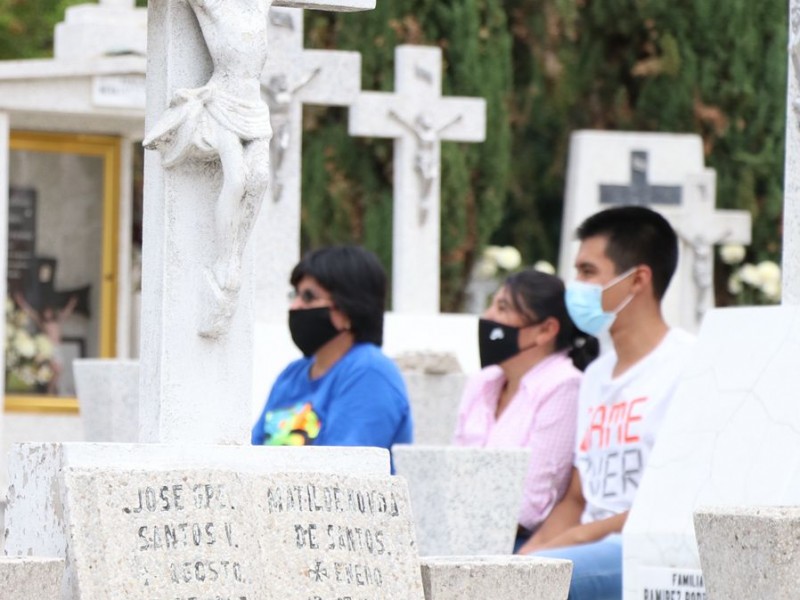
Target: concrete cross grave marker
<point>640,192</point>
<point>700,226</point>
<point>419,119</point>
<point>202,197</point>
<point>292,78</point>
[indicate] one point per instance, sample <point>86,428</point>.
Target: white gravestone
<point>418,119</point>
<point>495,577</point>
<point>46,516</point>
<point>665,172</point>
<point>749,553</point>
<point>110,28</point>
<point>466,501</point>
<point>293,78</point>
<point>108,396</point>
<point>202,197</point>
<point>30,578</point>
<point>731,436</point>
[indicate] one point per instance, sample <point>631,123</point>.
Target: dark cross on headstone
<point>640,192</point>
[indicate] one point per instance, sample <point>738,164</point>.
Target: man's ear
<point>642,279</point>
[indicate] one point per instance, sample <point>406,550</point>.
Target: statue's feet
<point>218,307</point>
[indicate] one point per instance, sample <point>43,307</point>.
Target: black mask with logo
<point>498,342</point>
<point>311,329</point>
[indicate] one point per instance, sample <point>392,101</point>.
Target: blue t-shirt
<point>360,401</point>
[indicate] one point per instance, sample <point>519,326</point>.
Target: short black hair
<point>538,296</point>
<point>356,281</point>
<point>636,236</point>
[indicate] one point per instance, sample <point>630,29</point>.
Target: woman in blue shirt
<point>344,391</point>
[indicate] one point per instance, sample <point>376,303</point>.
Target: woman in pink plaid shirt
<point>526,395</point>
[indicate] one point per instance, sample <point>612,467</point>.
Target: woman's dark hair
<point>357,283</point>
<point>538,296</point>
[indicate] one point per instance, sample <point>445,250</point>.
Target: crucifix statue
<point>207,117</point>
<point>419,119</point>
<point>226,120</point>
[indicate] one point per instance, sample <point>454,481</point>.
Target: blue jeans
<point>596,568</point>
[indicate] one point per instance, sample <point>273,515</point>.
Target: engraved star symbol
<point>317,573</point>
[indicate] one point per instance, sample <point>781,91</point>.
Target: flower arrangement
<point>750,283</point>
<point>497,260</point>
<point>28,353</point>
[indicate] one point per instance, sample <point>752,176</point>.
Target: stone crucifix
<point>293,77</point>
<point>207,118</point>
<point>419,119</point>
<point>700,226</point>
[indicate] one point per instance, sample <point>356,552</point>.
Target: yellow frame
<point>109,149</point>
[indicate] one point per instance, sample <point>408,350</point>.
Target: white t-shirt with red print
<point>618,420</point>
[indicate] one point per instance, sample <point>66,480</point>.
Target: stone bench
<point>749,553</point>
<point>30,578</point>
<point>484,577</point>
<point>465,501</point>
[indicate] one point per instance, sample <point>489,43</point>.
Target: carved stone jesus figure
<point>225,120</point>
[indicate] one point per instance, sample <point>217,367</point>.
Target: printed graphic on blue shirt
<point>298,425</point>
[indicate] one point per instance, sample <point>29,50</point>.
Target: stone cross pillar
<point>293,77</point>
<point>701,226</point>
<point>791,201</point>
<point>418,119</point>
<point>202,196</point>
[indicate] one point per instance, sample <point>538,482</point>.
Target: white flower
<point>544,267</point>
<point>485,268</point>
<point>508,258</point>
<point>44,347</point>
<point>24,344</point>
<point>732,254</point>
<point>772,290</point>
<point>769,273</point>
<point>749,274</point>
<point>735,284</point>
<point>44,373</point>
<point>491,252</point>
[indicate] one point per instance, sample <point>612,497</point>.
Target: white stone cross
<point>293,77</point>
<point>700,226</point>
<point>791,199</point>
<point>418,119</point>
<point>202,196</point>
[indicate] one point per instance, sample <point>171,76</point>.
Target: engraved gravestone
<point>199,533</point>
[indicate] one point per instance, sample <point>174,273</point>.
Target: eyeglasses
<point>306,296</point>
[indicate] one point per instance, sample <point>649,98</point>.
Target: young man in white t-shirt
<point>626,260</point>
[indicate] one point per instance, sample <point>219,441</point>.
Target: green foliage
<point>347,182</point>
<point>715,67</point>
<point>26,27</point>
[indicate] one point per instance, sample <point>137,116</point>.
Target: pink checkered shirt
<point>542,416</point>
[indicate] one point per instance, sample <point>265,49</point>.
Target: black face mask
<point>497,342</point>
<point>311,329</point>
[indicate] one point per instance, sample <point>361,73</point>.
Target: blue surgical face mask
<point>585,304</point>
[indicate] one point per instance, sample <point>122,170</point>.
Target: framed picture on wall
<point>62,257</point>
